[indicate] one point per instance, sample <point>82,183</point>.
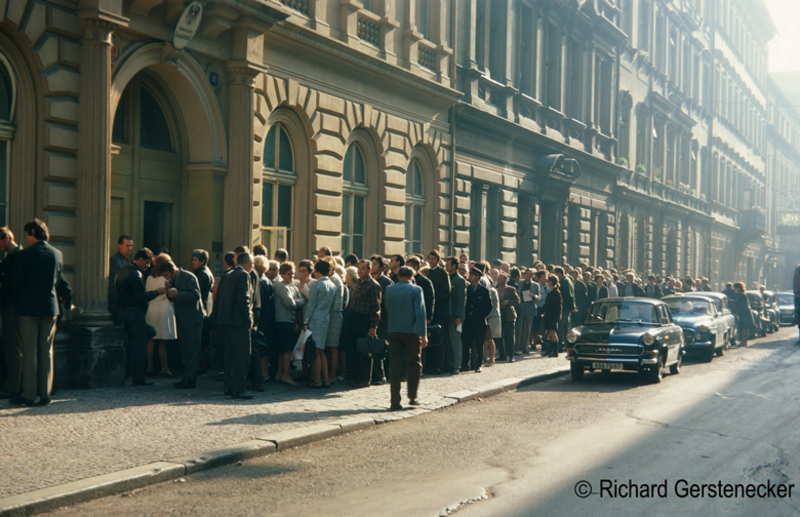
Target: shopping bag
<point>300,346</point>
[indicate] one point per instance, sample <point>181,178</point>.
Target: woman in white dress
<point>161,315</point>
<point>494,329</point>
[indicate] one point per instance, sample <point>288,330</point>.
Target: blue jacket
<point>406,307</point>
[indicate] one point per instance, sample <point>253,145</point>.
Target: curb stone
<point>109,484</point>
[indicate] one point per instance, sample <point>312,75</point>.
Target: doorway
<point>147,168</point>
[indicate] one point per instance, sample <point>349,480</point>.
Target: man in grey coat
<point>408,334</point>
<point>233,316</point>
<point>184,292</point>
<point>458,301</point>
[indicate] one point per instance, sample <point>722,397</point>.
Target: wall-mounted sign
<point>214,75</point>
<point>188,24</point>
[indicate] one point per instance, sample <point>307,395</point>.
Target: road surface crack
<point>456,507</point>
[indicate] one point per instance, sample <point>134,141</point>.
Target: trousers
<point>190,336</point>
<point>236,344</point>
<point>472,339</point>
<point>36,335</point>
<point>12,349</point>
<point>402,346</point>
<point>453,346</point>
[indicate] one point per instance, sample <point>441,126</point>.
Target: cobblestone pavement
<point>85,433</point>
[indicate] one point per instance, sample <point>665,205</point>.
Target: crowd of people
<point>322,321</point>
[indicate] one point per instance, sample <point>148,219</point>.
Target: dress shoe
<point>242,396</point>
<point>478,369</point>
<point>395,407</point>
<point>510,359</point>
<point>379,382</point>
<point>19,400</point>
<point>42,401</point>
<point>141,383</point>
<point>413,402</point>
<point>256,387</point>
<point>455,371</point>
<point>185,385</point>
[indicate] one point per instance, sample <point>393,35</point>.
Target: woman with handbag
<point>552,315</point>
<point>288,302</point>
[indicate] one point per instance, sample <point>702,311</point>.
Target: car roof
<point>650,301</point>
<point>711,294</point>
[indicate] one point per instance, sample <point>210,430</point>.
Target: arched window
<point>415,203</point>
<point>7,97</point>
<point>354,200</point>
<point>277,189</point>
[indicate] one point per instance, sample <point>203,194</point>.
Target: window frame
<point>279,178</point>
<point>352,189</point>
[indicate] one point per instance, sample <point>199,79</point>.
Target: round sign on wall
<point>187,25</point>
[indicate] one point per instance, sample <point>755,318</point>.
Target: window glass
<point>286,157</point>
<point>154,132</point>
<point>285,205</point>
<point>269,149</point>
<point>359,171</point>
<point>3,183</point>
<point>266,204</point>
<point>6,94</point>
<point>359,203</point>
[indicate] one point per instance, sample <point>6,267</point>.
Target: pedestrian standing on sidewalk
<point>132,299</point>
<point>477,308</point>
<point>408,334</point>
<point>453,327</point>
<point>509,300</point>
<point>12,348</point>
<point>317,318</point>
<point>184,293</point>
<point>37,309</point>
<point>233,315</point>
<point>365,316</point>
<point>552,316</point>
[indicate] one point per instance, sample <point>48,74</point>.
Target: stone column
<point>239,182</point>
<point>94,170</point>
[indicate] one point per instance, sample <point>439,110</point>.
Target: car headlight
<point>572,336</point>
<point>648,339</point>
<point>703,329</point>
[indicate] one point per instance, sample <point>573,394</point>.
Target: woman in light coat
<point>317,318</point>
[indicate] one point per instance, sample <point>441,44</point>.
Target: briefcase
<point>373,347</point>
<point>434,335</point>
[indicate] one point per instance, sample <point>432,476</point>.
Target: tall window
<point>424,19</point>
<point>6,134</point>
<point>527,51</point>
<point>553,67</point>
<point>278,188</point>
<point>415,203</point>
<point>643,37</point>
<point>354,198</point>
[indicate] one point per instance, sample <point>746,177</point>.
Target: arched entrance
<point>147,170</point>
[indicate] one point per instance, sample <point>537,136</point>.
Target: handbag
<point>373,347</point>
<point>434,335</point>
<point>259,343</point>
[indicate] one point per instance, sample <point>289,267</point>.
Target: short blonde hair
<point>260,263</point>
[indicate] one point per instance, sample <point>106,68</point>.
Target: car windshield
<point>626,311</point>
<point>785,298</point>
<point>688,306</point>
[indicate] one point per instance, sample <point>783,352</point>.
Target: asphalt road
<point>733,421</point>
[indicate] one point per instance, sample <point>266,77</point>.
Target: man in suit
<point>184,292</point>
<point>568,304</point>
<point>652,289</point>
<point>206,281</point>
<point>441,308</point>
<point>233,316</point>
<point>581,297</point>
<point>377,265</point>
<point>529,296</point>
<point>458,300</point>
<point>120,259</point>
<point>408,334</point>
<point>37,310</point>
<point>477,308</point>
<point>132,300</point>
<point>12,348</point>
<point>630,287</point>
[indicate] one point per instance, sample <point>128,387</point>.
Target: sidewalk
<point>87,433</point>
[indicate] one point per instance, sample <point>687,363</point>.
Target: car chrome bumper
<point>605,359</point>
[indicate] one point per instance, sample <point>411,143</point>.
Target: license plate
<point>607,366</point>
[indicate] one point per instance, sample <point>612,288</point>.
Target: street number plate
<point>607,366</point>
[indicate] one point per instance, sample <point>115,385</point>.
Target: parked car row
<point>646,335</point>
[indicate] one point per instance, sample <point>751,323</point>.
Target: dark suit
<point>635,289</point>
<point>189,315</point>
<point>265,325</point>
<point>233,315</point>
<point>117,262</point>
<point>552,317</point>
<point>477,308</point>
<point>434,358</point>
<point>581,302</point>
<point>132,299</point>
<point>378,371</point>
<point>567,289</point>
<point>206,281</point>
<point>37,309</point>
<point>458,301</point>
<point>12,348</point>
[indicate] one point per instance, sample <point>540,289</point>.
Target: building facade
<point>512,129</point>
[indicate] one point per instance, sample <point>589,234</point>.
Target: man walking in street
<point>184,292</point>
<point>407,334</point>
<point>478,307</point>
<point>132,299</point>
<point>453,328</point>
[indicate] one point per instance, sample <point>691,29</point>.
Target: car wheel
<point>708,353</point>
<point>576,371</point>
<point>675,368</point>
<point>656,373</point>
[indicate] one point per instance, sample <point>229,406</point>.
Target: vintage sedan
<point>785,301</point>
<point>703,329</point>
<point>634,334</point>
<point>727,316</point>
